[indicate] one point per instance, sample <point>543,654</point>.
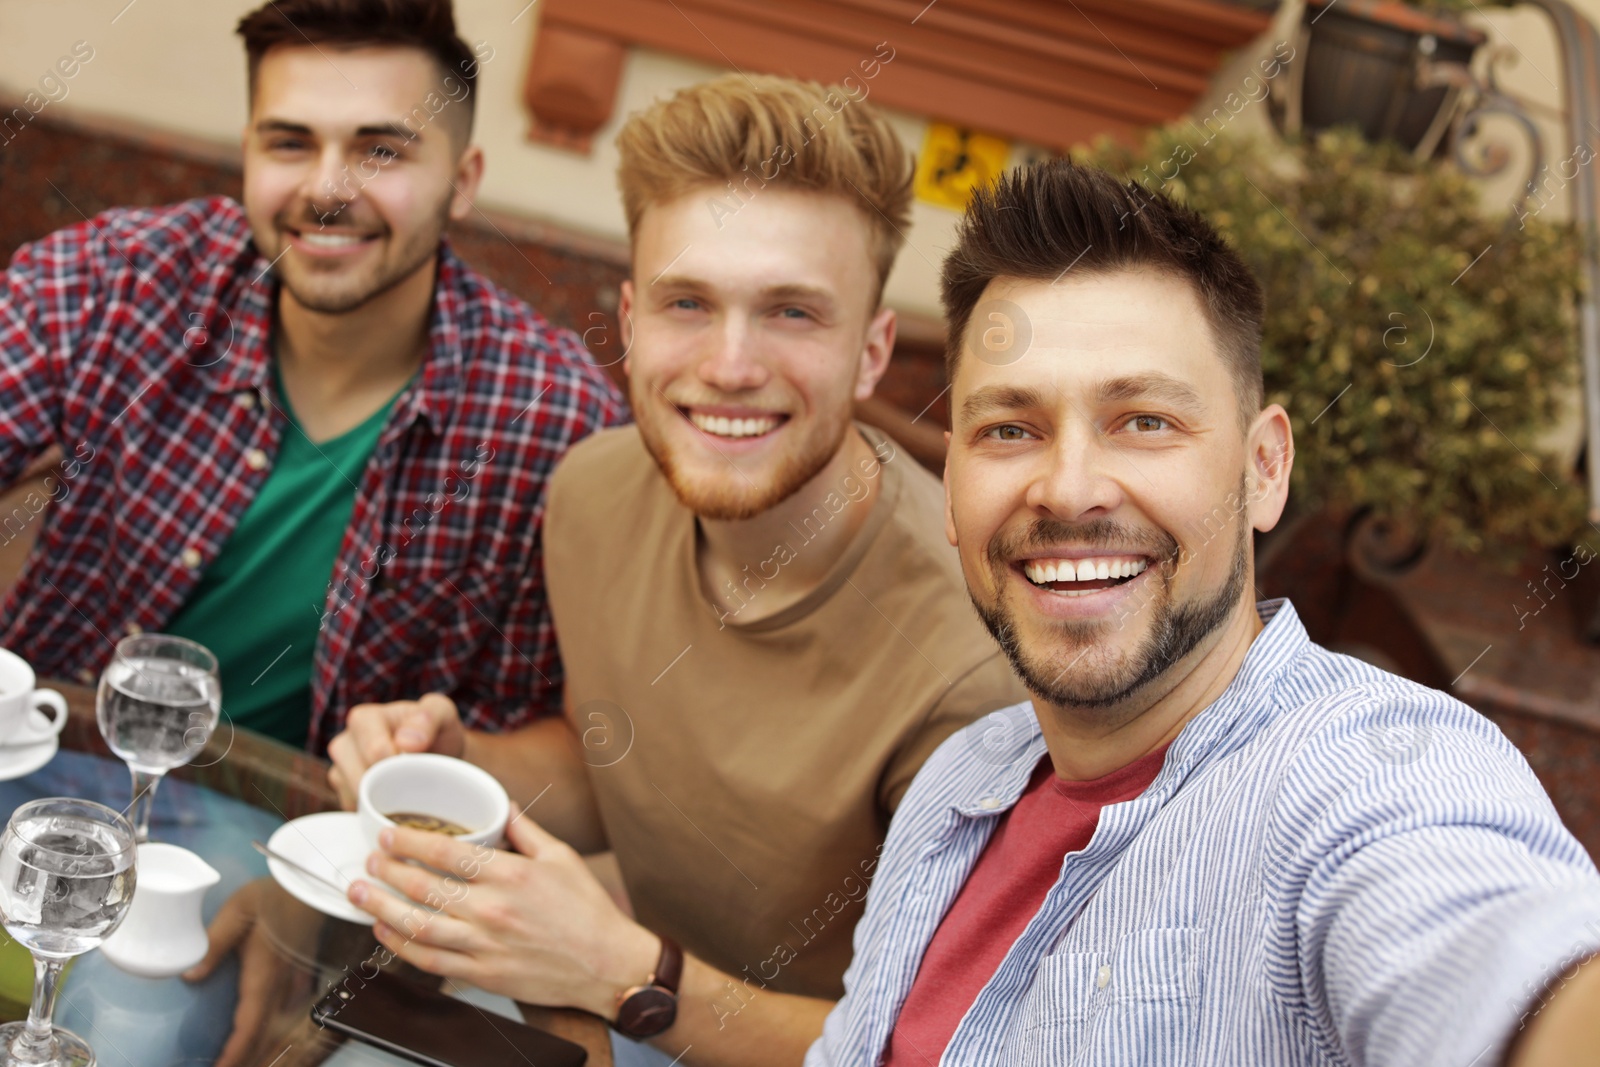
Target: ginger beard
<point>1068,671</point>
<point>721,488</point>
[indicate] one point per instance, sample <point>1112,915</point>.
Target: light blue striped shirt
<point>1335,866</point>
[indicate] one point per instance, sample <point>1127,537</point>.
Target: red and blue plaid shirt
<point>140,343</point>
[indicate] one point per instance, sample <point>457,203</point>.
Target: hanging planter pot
<point>1393,71</point>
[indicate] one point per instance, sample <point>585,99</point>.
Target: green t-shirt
<point>259,604</point>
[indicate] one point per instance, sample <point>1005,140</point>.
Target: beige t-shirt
<point>746,771</point>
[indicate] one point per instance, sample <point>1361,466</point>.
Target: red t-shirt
<point>1008,884</point>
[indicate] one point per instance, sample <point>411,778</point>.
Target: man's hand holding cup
<point>375,731</point>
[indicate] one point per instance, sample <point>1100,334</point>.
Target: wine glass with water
<point>158,703</point>
<point>67,870</point>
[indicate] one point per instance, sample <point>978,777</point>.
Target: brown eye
<point>1147,423</point>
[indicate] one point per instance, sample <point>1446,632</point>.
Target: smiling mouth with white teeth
<point>722,426</point>
<point>1080,577</point>
<point>330,241</point>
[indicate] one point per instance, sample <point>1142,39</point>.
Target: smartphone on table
<point>428,1027</point>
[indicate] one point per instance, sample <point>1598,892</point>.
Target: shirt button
<point>191,558</point>
<point>989,803</point>
<point>1103,979</point>
<point>246,399</point>
<point>85,676</point>
<point>255,459</point>
<point>133,629</point>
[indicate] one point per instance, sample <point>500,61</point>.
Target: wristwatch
<point>646,1010</point>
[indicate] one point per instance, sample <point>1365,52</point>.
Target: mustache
<point>1099,533</point>
<point>311,217</point>
<point>713,401</point>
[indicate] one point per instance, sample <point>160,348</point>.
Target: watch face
<point>647,1012</point>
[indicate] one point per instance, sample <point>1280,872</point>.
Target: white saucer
<point>18,760</point>
<point>330,844</point>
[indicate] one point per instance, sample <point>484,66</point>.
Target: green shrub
<point>1454,368</point>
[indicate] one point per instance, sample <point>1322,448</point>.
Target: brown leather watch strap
<point>669,968</point>
<point>649,1009</point>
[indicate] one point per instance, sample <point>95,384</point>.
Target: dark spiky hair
<point>1038,221</point>
<point>426,25</point>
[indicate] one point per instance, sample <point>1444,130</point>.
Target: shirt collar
<point>440,379</point>
<point>229,327</point>
<point>1251,696</point>
<point>229,339</point>
<point>1005,747</point>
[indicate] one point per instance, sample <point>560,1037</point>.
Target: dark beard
<point>1176,633</point>
<point>414,256</point>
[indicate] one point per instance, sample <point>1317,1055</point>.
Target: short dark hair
<point>1039,221</point>
<point>427,25</point>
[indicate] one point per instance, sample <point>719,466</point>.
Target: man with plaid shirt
<point>300,430</point>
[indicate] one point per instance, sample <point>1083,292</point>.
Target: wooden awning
<point>1050,72</point>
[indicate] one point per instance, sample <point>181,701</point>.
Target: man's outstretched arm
<point>1564,1029</point>
<point>1453,945</point>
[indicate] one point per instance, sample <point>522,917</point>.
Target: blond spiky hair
<point>741,133</point>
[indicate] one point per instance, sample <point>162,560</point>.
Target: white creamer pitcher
<point>163,933</point>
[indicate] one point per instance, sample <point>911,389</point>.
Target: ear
<point>949,509</point>
<point>875,353</point>
<point>468,176</point>
<point>1269,460</point>
<point>625,323</point>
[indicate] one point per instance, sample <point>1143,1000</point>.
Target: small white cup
<point>18,699</point>
<point>425,783</point>
<point>162,933</point>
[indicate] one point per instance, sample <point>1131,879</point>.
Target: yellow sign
<point>954,162</point>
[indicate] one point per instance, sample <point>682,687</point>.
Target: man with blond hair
<point>763,630</point>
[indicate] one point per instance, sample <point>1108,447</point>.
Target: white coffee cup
<point>425,783</point>
<point>18,699</point>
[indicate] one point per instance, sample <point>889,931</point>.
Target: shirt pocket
<point>1057,1007</point>
<point>1135,1007</point>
